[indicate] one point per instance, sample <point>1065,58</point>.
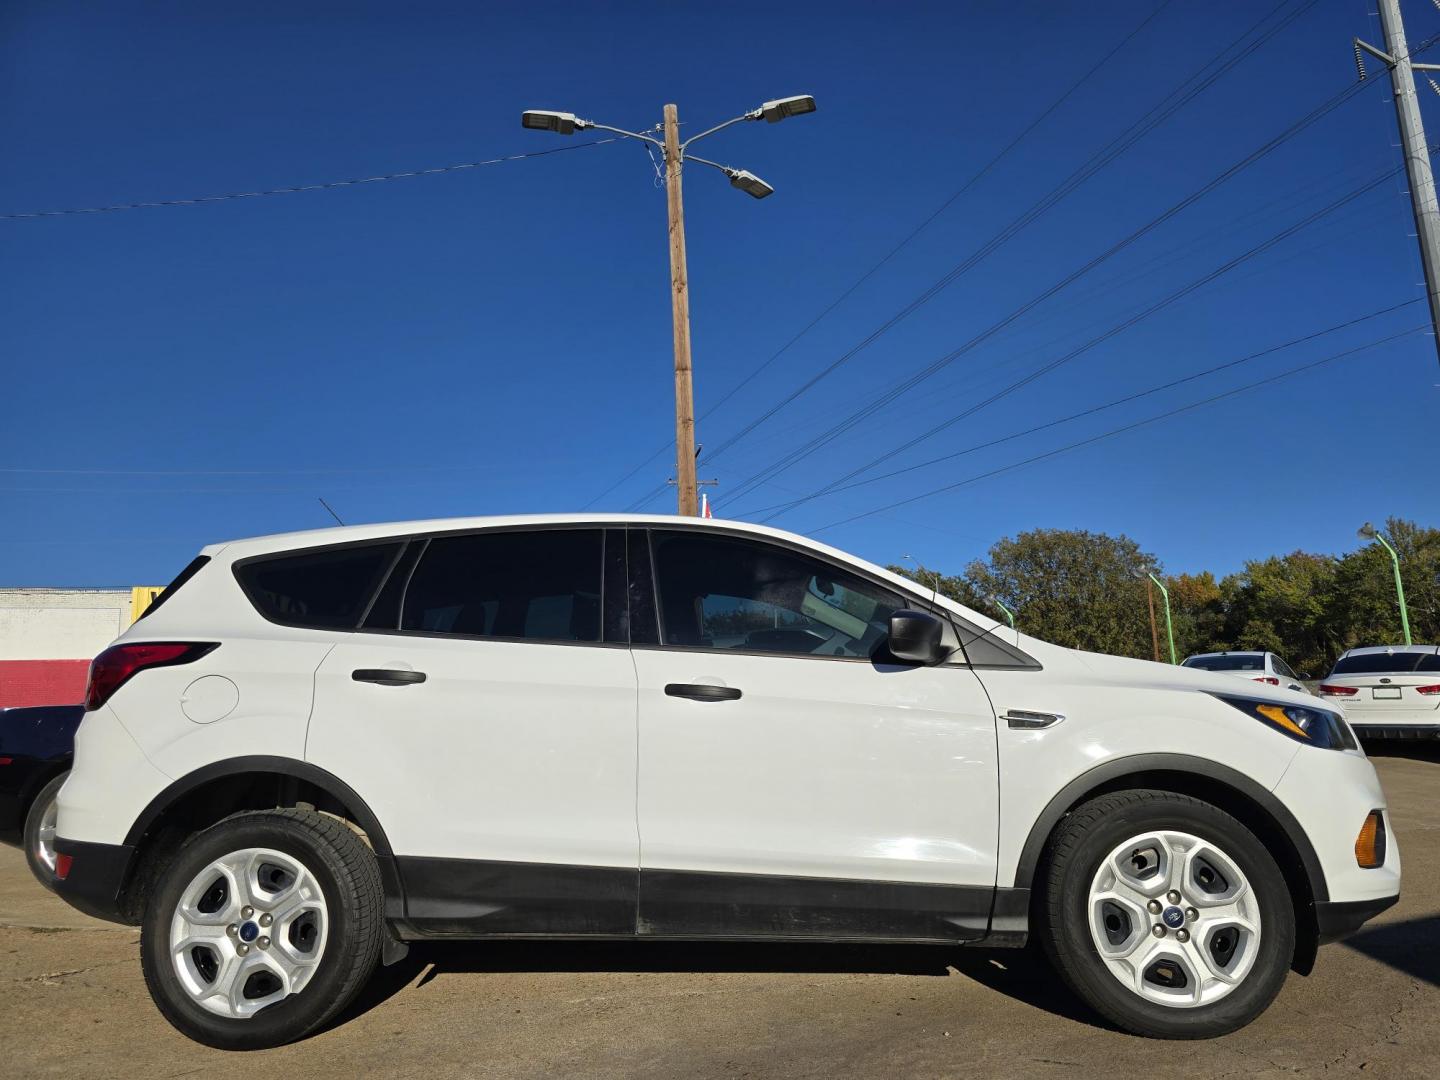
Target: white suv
<point>318,747</point>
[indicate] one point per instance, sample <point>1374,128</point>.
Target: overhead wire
<point>780,465</point>
<point>975,178</point>
<point>1091,440</point>
<point>1127,399</point>
<point>298,188</point>
<point>1188,90</point>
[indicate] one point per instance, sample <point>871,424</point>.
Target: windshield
<point>1228,662</point>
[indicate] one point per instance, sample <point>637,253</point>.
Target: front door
<point>491,730</point>
<point>795,781</point>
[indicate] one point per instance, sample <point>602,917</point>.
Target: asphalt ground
<point>73,1004</point>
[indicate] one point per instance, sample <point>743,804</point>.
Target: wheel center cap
<point>1173,917</point>
<point>249,931</point>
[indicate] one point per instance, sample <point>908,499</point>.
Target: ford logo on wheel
<point>1174,918</point>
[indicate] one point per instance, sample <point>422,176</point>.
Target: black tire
<point>1073,856</point>
<point>34,818</point>
<point>350,882</point>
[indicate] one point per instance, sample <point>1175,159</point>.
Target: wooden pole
<point>680,312</point>
<point>1154,627</point>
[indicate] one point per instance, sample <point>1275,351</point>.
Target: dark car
<point>36,747</point>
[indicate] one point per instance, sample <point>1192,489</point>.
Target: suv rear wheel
<point>262,928</point>
<point>1167,915</point>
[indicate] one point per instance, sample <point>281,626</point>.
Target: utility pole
<point>1396,56</point>
<point>676,154</point>
<point>1154,627</point>
<point>680,314</point>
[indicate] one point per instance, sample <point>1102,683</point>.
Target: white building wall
<point>60,624</point>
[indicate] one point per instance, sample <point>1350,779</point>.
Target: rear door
<point>490,726</point>
<point>794,780</point>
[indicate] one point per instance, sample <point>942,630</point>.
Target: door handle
<point>701,691</point>
<point>387,676</point>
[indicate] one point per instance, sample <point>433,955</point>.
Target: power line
<point>1193,86</point>
<point>884,260</point>
<point>1128,427</point>
<point>775,468</point>
<point>462,166</point>
<point>1093,410</point>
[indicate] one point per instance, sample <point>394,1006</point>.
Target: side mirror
<point>1304,676</point>
<point>915,636</point>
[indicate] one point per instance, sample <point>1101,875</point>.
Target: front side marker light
<point>1370,844</point>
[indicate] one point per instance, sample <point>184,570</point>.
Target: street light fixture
<point>666,136</point>
<point>1369,532</point>
<point>749,183</point>
<point>562,123</point>
<point>775,111</point>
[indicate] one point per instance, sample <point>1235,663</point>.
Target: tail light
<point>1428,691</point>
<point>1266,679</point>
<point>1337,691</point>
<point>114,667</point>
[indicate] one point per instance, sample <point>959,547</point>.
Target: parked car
<point>1264,667</point>
<point>36,745</point>
<point>317,747</point>
<point>1388,691</point>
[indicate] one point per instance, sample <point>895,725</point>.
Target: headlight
<point>1317,727</point>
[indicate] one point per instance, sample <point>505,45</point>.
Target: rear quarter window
<point>325,589</point>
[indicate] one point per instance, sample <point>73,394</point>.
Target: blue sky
<point>498,340</point>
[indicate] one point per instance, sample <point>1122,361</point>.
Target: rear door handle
<point>701,691</point>
<point>387,676</point>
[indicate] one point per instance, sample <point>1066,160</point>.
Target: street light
<point>1001,605</point>
<point>666,136</point>
<point>1369,532</point>
<point>1169,625</point>
<point>775,111</point>
<point>562,123</point>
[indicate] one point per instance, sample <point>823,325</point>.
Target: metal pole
<point>1417,155</point>
<point>1008,613</point>
<point>1154,629</point>
<point>1399,585</point>
<point>680,313</point>
<point>1169,625</point>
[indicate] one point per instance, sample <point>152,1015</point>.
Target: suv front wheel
<point>262,928</point>
<point>1166,915</point>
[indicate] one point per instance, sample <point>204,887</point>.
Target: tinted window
<point>717,592</point>
<point>1231,662</point>
<point>543,585</point>
<point>1397,663</point>
<point>1283,669</point>
<point>324,589</point>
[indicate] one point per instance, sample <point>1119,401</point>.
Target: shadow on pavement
<point>1021,974</point>
<point>1409,946</point>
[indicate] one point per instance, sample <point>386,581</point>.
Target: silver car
<point>1264,667</point>
<point>1388,691</point>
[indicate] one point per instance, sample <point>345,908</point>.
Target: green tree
<point>1072,587</point>
<point>1285,604</point>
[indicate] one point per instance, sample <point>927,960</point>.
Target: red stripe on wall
<point>42,682</point>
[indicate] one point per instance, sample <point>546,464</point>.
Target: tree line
<point>1087,591</point>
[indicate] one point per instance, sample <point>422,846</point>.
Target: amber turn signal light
<point>1370,844</point>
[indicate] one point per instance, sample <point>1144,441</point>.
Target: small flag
<point>705,504</point>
